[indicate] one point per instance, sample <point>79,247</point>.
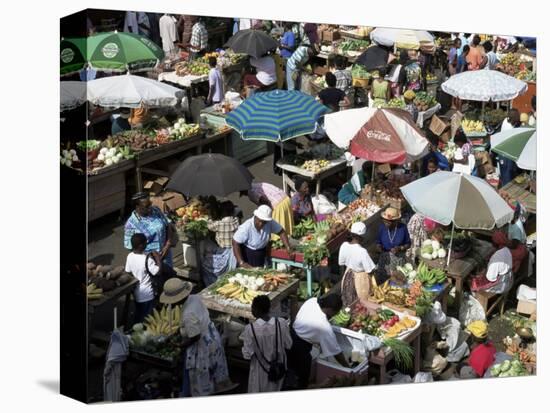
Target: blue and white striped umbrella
<point>276,116</point>
<point>484,86</point>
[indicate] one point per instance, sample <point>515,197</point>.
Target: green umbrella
<point>118,52</point>
<point>519,145</point>
<point>72,55</point>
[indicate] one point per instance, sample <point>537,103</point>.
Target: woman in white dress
<point>265,340</point>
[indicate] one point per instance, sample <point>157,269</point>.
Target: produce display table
<point>520,193</point>
<point>427,114</point>
<point>334,167</point>
<point>111,298</point>
<point>107,190</point>
<point>162,152</point>
<point>213,303</point>
<point>185,81</point>
<point>384,355</point>
<point>460,269</point>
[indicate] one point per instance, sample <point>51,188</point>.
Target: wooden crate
<point>106,195</point>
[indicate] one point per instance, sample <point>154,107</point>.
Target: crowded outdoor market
<point>277,206</point>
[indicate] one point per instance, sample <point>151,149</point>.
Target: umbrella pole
<point>373,171</point>
<point>283,172</point>
<point>451,245</point>
<point>114,318</point>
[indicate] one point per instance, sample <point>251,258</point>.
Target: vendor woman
<point>353,188</point>
<point>498,277</point>
<point>205,367</point>
<point>358,263</point>
<point>302,205</point>
<point>393,241</point>
<point>251,240</point>
<point>150,221</point>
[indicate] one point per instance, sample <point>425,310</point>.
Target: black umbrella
<point>210,174</point>
<point>255,43</point>
<point>374,58</point>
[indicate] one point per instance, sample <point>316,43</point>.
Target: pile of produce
<point>396,326</point>
<point>402,352</point>
<point>510,63</point>
<point>164,322</point>
<point>137,140</point>
<point>306,226</point>
<point>526,76</point>
<point>396,103</point>
<point>430,277</point>
<point>342,318</point>
<point>470,126</point>
<point>236,291</point>
<point>430,77</point>
<point>166,347</point>
<point>104,278</point>
<point>509,368</point>
<point>195,68</point>
<point>195,209</point>
<point>327,49</point>
<point>353,45</point>
<point>326,151</point>
<point>386,293</point>
<point>514,348</point>
<point>315,253</point>
<point>424,303</point>
<point>315,165</point>
<point>494,116</point>
<point>229,58</point>
<point>408,272</point>
<point>182,130</point>
<point>432,250</point>
<point>273,281</point>
<point>424,101</point>
<point>69,157</point>
<point>192,219</point>
<point>360,72</point>
<point>415,291</point>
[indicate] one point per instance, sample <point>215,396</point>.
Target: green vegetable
<point>424,303</point>
<point>359,72</point>
<point>197,229</point>
<point>402,352</point>
<point>88,145</point>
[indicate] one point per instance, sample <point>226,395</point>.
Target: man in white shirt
<point>168,33</point>
<point>311,327</point>
<point>215,93</point>
<point>139,266</point>
<point>266,74</point>
<point>137,23</point>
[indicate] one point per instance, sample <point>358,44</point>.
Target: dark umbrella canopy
<point>210,174</point>
<point>374,58</point>
<point>254,43</point>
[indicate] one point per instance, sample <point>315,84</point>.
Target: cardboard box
<point>527,307</point>
<point>438,125</point>
<point>168,201</point>
<point>157,186</point>
<point>331,36</point>
<point>320,70</point>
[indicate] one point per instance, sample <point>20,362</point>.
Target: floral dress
<point>414,76</point>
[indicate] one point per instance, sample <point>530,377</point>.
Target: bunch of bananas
<point>237,292</point>
<point>385,293</point>
<point>163,322</point>
<point>472,126</point>
<point>342,318</point>
<point>93,292</point>
<point>430,277</point>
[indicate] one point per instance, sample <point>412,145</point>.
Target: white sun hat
<point>263,212</point>
<point>359,228</point>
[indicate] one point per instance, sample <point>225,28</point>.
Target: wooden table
<point>335,166</point>
<point>522,194</point>
<point>110,298</point>
<point>459,269</point>
<point>212,303</point>
<point>384,355</point>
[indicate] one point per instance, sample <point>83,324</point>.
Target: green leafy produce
<point>430,277</point>
<point>355,45</point>
<point>424,303</point>
<point>402,352</point>
<point>342,318</point>
<point>314,254</point>
<point>396,103</point>
<point>306,226</point>
<point>360,72</point>
<point>88,145</point>
<point>197,229</point>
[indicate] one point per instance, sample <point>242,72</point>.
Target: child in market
<point>142,266</point>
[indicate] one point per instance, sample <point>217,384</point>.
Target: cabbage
<point>505,366</point>
<point>427,250</point>
<point>426,256</point>
<point>435,245</point>
<point>434,254</point>
<point>427,242</point>
<point>409,266</point>
<point>495,370</point>
<point>441,253</point>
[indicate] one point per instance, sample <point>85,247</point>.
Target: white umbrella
<point>518,144</point>
<point>72,94</point>
<point>484,86</point>
<point>379,135</point>
<point>402,38</point>
<point>131,91</point>
<point>466,201</point>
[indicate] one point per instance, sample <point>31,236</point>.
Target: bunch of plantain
<point>93,292</point>
<point>237,292</point>
<point>342,318</point>
<point>379,292</point>
<point>163,322</point>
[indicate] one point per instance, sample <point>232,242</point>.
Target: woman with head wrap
<point>302,205</point>
<point>498,277</point>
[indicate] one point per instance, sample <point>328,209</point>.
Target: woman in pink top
<point>262,193</point>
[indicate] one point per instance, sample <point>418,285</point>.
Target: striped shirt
<point>273,194</point>
<point>224,229</point>
<point>298,58</point>
<point>343,80</point>
<point>199,37</point>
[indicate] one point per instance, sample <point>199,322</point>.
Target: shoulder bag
<point>277,369</point>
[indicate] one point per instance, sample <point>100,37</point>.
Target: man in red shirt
<point>475,56</point>
<point>482,355</point>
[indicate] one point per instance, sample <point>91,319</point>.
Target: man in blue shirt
<point>251,240</point>
<point>288,41</point>
<point>120,123</point>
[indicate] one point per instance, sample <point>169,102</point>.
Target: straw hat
<point>359,228</point>
<point>264,213</point>
<point>175,290</point>
<point>391,214</point>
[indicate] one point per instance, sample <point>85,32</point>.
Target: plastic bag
<point>396,377</point>
<point>470,310</point>
<point>423,377</point>
<point>322,205</point>
<point>371,343</point>
<point>433,361</point>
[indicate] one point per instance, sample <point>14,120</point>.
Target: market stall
<point>519,190</point>
<point>317,174</point>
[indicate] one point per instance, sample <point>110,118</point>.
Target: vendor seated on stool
<point>358,263</point>
<point>353,188</point>
<point>393,241</point>
<point>251,241</point>
<point>266,72</point>
<point>498,277</point>
<point>302,205</point>
<point>482,354</point>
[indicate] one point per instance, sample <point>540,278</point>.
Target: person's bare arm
<point>238,255</point>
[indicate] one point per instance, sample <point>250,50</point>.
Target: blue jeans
<point>289,82</point>
<point>143,310</point>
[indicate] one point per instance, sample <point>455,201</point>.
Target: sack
<point>362,285</point>
<point>277,369</point>
<point>471,310</point>
<point>322,206</point>
<point>157,280</point>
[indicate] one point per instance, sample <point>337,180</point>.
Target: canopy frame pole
<point>115,318</point>
<point>282,155</point>
<point>451,244</point>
